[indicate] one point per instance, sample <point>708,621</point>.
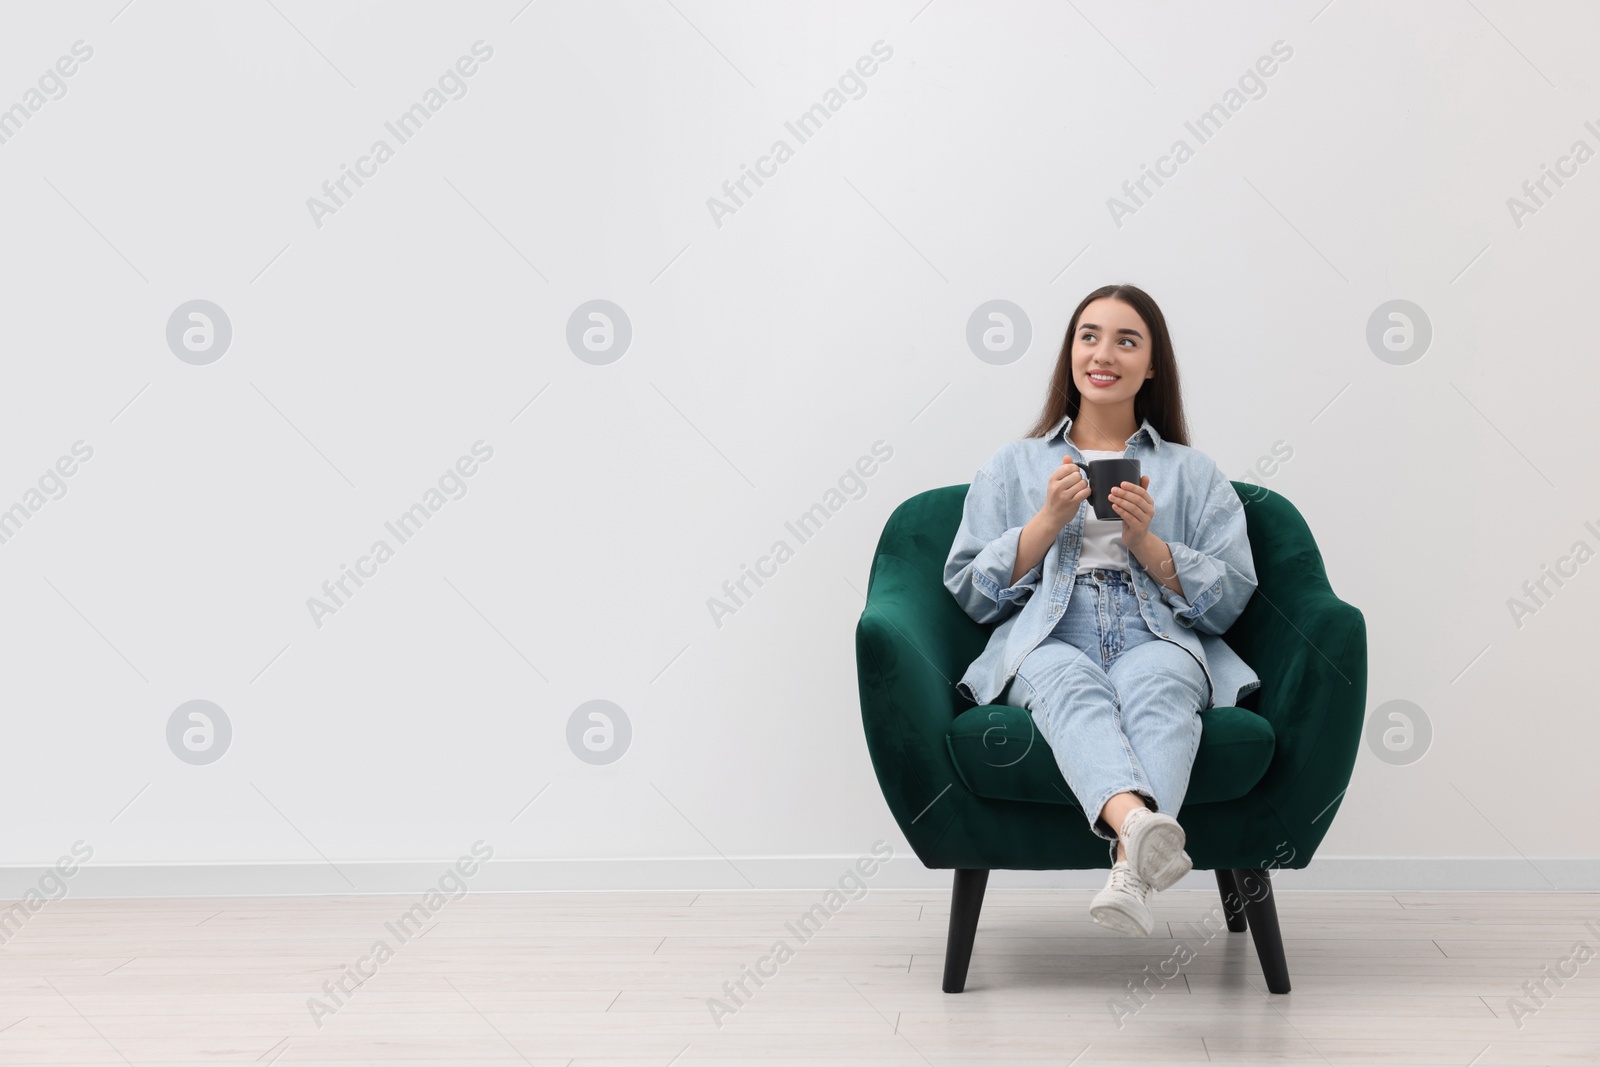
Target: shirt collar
<point>1145,429</point>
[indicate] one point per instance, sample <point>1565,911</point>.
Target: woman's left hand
<point>1137,507</point>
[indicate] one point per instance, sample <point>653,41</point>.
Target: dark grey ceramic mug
<point>1103,475</point>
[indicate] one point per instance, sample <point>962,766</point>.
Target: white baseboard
<point>745,873</point>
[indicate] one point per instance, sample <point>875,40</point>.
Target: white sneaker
<point>1124,904</point>
<point>1153,842</point>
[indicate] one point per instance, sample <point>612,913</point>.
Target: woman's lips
<point>1101,384</point>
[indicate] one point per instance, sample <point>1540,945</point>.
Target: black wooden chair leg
<point>1255,886</point>
<point>1232,904</point>
<point>966,900</point>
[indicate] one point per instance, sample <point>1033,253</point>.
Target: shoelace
<point>1131,819</point>
<point>1123,877</point>
<point>1128,823</point>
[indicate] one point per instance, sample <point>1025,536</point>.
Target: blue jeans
<point>1119,706</point>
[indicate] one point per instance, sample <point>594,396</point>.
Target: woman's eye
<point>1087,337</point>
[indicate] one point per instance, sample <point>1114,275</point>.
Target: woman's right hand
<point>1066,490</point>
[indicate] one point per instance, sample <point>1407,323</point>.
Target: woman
<point>1110,630</point>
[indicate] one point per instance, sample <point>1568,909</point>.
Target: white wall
<point>375,345</point>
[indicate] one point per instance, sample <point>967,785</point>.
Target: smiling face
<point>1110,353</point>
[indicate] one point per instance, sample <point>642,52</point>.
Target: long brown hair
<point>1159,399</point>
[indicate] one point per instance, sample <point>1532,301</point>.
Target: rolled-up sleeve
<point>984,553</point>
<point>1217,571</point>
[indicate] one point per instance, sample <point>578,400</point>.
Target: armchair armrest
<point>1312,657</point>
<point>909,639</point>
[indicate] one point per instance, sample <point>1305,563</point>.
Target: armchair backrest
<point>909,564</point>
<point>1289,574</point>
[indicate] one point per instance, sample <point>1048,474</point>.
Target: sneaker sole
<point>1162,860</point>
<point>1118,920</point>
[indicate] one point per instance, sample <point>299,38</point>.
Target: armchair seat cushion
<point>1000,754</point>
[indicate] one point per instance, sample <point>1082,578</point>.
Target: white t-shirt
<point>1102,538</point>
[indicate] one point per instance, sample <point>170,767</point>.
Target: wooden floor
<point>624,979</point>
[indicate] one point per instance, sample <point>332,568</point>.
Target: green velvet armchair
<point>976,789</point>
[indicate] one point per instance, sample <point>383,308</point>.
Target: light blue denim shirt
<point>1197,513</point>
